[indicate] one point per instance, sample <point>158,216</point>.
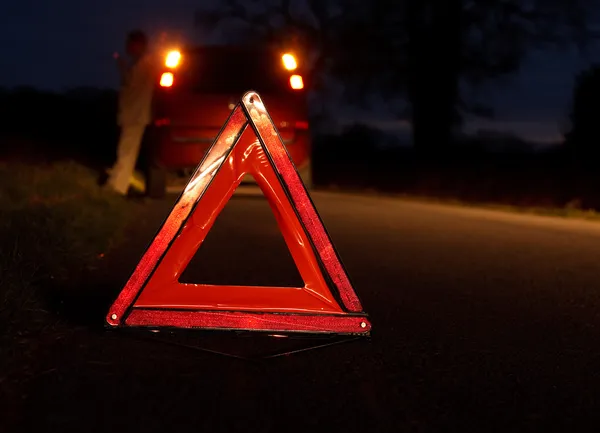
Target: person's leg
<point>127,154</point>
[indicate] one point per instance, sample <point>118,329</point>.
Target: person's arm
<point>123,68</point>
<point>152,68</point>
<point>155,65</point>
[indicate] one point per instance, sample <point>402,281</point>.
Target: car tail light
<point>289,62</point>
<point>166,79</point>
<point>173,59</point>
<point>301,125</point>
<point>162,122</point>
<point>296,82</point>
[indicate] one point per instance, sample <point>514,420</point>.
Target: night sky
<point>68,43</point>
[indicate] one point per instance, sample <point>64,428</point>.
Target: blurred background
<point>481,101</point>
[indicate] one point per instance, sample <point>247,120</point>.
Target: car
<point>200,86</point>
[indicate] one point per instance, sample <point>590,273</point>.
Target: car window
<point>224,71</point>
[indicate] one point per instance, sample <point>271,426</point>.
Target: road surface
<point>483,321</point>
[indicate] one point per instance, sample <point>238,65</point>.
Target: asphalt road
<point>482,321</point>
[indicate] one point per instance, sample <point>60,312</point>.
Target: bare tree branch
<point>365,43</point>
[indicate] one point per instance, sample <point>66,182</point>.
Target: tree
<point>584,135</point>
<point>331,40</point>
<point>473,41</point>
<point>423,49</point>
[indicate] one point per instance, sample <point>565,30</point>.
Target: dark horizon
<point>74,44</point>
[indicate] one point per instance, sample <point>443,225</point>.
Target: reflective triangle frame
<point>154,298</point>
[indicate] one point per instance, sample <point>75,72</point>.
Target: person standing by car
<point>138,79</point>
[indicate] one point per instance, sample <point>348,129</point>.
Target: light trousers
<point>128,150</point>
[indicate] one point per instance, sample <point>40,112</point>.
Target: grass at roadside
<point>571,210</point>
<point>55,222</point>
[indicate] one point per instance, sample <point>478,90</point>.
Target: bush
<point>54,222</point>
<point>80,123</point>
<point>584,134</point>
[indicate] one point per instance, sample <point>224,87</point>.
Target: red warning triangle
<point>154,297</point>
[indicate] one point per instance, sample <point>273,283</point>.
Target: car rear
<point>199,87</point>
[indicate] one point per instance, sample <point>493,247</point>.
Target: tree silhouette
<point>584,135</point>
<point>322,34</point>
<point>422,49</point>
<point>476,41</point>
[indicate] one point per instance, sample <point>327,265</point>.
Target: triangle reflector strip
<point>153,296</point>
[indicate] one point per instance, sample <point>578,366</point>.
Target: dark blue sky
<point>68,43</point>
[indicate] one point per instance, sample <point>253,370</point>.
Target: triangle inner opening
<point>244,247</point>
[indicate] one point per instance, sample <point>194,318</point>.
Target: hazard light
<point>296,82</point>
<point>289,62</point>
<point>166,79</point>
<point>173,59</point>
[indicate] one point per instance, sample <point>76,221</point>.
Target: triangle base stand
<point>247,321</point>
<point>242,345</point>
